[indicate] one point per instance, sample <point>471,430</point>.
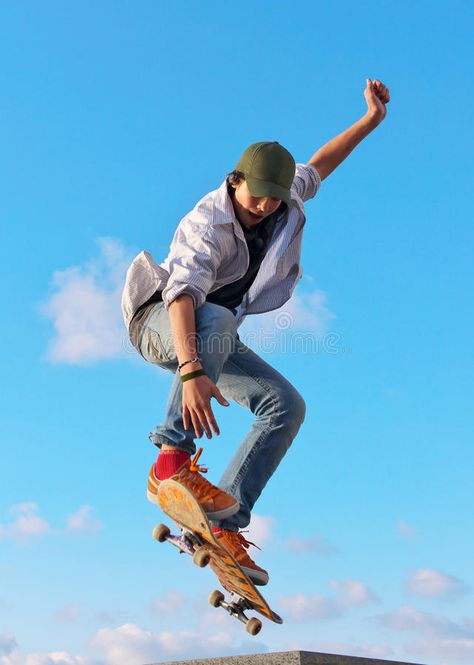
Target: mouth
<point>254,216</point>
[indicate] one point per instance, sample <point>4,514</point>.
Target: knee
<point>294,406</point>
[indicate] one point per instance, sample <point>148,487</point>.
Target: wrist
<point>187,376</point>
<point>186,364</point>
<point>372,118</point>
<point>191,367</point>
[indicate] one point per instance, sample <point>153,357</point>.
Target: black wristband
<point>192,375</point>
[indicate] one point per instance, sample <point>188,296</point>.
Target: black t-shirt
<point>257,239</point>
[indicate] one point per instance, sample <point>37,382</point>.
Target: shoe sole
<point>256,576</point>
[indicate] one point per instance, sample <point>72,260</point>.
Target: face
<point>251,210</point>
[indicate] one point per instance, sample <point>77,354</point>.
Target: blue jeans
<point>241,375</point>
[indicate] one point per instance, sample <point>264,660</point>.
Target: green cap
<point>269,170</point>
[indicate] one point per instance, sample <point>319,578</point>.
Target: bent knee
<point>295,406</point>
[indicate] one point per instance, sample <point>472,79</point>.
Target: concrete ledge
<point>290,658</point>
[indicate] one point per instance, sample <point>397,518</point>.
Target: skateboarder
<point>236,253</point>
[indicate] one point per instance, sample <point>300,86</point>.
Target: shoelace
<point>241,540</point>
<point>197,484</point>
<point>246,543</point>
<point>194,464</point>
<point>237,541</point>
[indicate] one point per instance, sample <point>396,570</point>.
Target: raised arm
<point>327,158</point>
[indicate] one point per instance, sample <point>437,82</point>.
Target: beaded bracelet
<point>196,359</point>
<point>192,375</point>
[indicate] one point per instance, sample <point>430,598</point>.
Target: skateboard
<point>198,540</point>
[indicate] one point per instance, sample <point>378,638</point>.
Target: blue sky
<point>116,118</point>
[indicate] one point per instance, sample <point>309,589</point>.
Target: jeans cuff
<point>159,440</point>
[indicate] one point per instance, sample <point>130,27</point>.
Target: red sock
<point>168,462</point>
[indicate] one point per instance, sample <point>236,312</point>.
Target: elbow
<point>181,293</point>
<point>323,169</point>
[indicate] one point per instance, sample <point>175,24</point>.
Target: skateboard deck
<point>198,540</point>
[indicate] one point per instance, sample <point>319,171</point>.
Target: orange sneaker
<point>235,543</point>
<point>216,503</point>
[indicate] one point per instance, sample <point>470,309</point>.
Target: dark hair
<point>235,178</point>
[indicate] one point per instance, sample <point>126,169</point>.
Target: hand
<point>197,409</point>
<point>376,95</point>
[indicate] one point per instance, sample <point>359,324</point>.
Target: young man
<point>236,253</point>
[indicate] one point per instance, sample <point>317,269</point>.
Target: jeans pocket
<point>152,347</point>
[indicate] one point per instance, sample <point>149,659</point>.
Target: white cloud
<point>314,607</point>
<point>427,582</point>
<point>28,524</point>
<point>11,655</point>
<point>312,545</point>
<point>131,645</point>
<point>82,522</point>
<point>353,592</point>
<point>405,529</point>
<point>408,618</point>
<point>85,307</point>
<point>301,325</point>
<point>55,658</point>
<point>261,529</point>
<point>460,649</point>
<point>169,603</point>
<point>302,607</point>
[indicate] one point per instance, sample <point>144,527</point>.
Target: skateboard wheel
<point>253,626</point>
<point>216,598</point>
<point>201,557</point>
<point>161,532</point>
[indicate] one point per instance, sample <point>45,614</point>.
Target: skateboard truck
<point>236,608</point>
<point>187,543</point>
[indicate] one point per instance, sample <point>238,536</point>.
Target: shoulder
<point>306,182</point>
<point>212,210</point>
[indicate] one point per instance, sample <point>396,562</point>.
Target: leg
<point>279,409</point>
<point>216,331</point>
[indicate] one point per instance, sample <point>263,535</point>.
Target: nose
<point>265,205</point>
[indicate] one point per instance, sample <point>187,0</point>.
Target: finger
<point>384,96</point>
<point>211,419</point>
<point>220,397</point>
<point>205,424</point>
<point>185,417</point>
<point>196,424</point>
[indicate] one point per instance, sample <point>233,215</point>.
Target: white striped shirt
<point>209,250</point>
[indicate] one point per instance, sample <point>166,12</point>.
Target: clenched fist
<point>376,95</point>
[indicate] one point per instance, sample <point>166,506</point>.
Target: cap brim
<point>265,188</point>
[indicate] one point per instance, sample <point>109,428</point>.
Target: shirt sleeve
<point>306,182</point>
<point>193,261</point>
